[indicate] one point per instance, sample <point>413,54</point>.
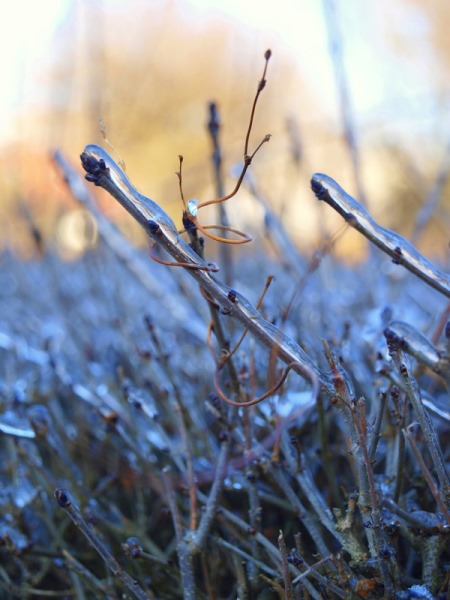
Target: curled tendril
<point>247,162</point>
<point>203,228</point>
<point>210,268</point>
<point>269,392</point>
<point>226,356</point>
<point>193,205</point>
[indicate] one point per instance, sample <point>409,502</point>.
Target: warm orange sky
<point>386,84</point>
<point>61,61</point>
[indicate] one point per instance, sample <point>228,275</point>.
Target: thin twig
<point>216,158</point>
<point>288,587</point>
<point>124,250</point>
<point>426,472</point>
<point>402,252</point>
<point>65,502</point>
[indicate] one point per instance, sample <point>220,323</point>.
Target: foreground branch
<point>103,171</point>
<point>402,252</point>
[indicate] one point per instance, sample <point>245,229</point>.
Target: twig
<point>191,482</point>
<point>65,502</point>
<point>306,482</point>
<point>299,508</point>
<point>122,248</point>
<point>74,565</point>
<point>247,157</point>
<point>367,501</point>
<point>423,418</point>
<point>427,522</point>
<point>377,427</point>
<point>103,171</point>
<point>216,158</point>
<point>272,551</point>
<point>426,473</point>
<point>288,591</point>
<point>198,539</point>
<point>248,557</point>
<point>184,556</point>
<point>402,252</point>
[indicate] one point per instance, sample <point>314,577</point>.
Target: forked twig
<point>247,157</point>
<point>192,207</point>
<point>247,162</point>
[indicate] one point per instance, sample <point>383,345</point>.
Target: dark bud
<point>144,353</point>
<point>215,400</point>
<point>94,168</point>
<point>40,420</point>
<point>250,475</point>
<point>232,296</point>
<point>268,54</point>
<point>111,419</point>
<point>223,436</point>
<point>318,189</point>
<point>188,224</point>
<point>88,162</point>
<point>132,548</point>
<point>294,558</point>
<point>393,341</point>
<point>62,498</point>
<point>395,392</point>
<point>294,441</point>
<point>398,255</point>
<point>153,227</point>
<point>213,124</point>
<point>391,527</point>
<point>386,552</point>
<point>91,178</point>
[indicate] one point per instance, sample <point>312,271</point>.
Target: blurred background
<point>357,90</point>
